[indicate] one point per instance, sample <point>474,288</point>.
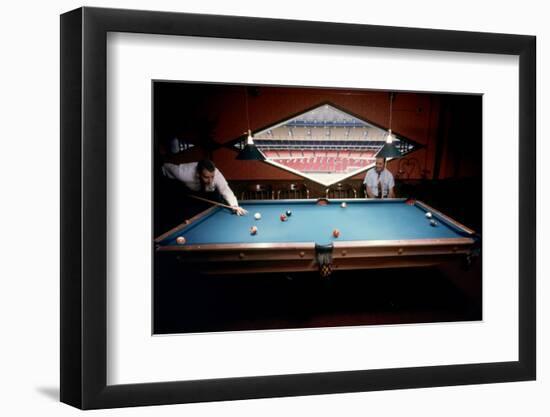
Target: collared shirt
<point>384,180</point>
<point>187,173</point>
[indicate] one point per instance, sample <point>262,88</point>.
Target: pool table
<point>373,234</point>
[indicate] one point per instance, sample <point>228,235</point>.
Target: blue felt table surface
<point>309,222</point>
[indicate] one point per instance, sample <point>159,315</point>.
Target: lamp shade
<point>250,153</point>
<point>388,151</point>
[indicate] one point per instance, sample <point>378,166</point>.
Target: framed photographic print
<point>257,208</point>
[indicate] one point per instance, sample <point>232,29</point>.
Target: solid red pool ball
<point>283,217</point>
<point>253,230</point>
<point>180,240</point>
<point>336,233</point>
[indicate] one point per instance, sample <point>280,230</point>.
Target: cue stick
<point>211,202</point>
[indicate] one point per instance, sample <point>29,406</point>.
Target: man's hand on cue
<point>239,211</point>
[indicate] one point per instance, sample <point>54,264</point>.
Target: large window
<point>325,144</point>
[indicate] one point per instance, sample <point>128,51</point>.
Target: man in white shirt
<point>203,176</point>
<point>379,181</point>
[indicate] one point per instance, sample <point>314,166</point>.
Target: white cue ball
<point>180,240</point>
<point>429,215</point>
<point>257,216</point>
<point>344,204</point>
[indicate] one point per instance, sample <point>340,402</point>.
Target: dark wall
<point>459,149</point>
<point>214,115</point>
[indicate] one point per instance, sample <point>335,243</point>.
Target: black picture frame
<point>83,207</point>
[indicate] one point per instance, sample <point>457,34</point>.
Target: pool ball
<point>257,216</point>
<point>344,204</point>
<point>283,217</point>
<point>253,230</point>
<point>429,215</point>
<point>433,222</point>
<point>288,213</point>
<point>180,240</point>
<point>336,233</point>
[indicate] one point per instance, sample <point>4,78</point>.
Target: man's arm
<point>227,194</point>
<point>391,187</point>
<point>171,171</point>
<point>370,194</point>
<point>368,189</point>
